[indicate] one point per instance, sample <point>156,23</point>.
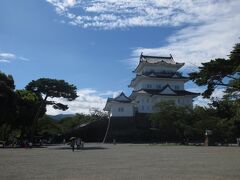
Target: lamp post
<point>207,133</point>
<point>108,126</point>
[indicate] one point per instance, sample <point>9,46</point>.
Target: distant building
<point>157,79</point>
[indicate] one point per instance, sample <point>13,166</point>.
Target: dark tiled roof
<point>157,57</point>
<point>117,100</point>
<point>113,100</point>
<point>158,60</point>
<point>164,75</point>
<point>175,75</point>
<point>158,92</point>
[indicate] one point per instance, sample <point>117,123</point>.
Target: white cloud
<point>209,28</point>
<point>86,91</point>
<point>110,93</point>
<point>109,14</point>
<point>62,5</point>
<point>200,101</point>
<point>8,57</point>
<point>24,59</point>
<point>4,61</point>
<point>213,37</point>
<point>87,100</point>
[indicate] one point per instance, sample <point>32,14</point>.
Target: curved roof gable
<point>168,60</point>
<point>167,90</point>
<point>156,59</point>
<point>122,97</point>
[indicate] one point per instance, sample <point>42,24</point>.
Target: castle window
<point>177,87</point>
<point>149,86</point>
<point>120,109</point>
<point>159,86</point>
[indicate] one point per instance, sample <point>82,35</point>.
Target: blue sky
<point>95,44</point>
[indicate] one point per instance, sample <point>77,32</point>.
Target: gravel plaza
<point>121,161</point>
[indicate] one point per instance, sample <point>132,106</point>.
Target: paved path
<point>121,161</point>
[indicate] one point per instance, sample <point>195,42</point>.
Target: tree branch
<point>221,84</point>
<point>229,76</point>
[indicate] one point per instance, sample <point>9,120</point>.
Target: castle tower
<point>157,79</point>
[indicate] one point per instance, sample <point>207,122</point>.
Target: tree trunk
<point>35,120</point>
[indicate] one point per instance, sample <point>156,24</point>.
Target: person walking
<point>78,143</point>
<point>73,144</point>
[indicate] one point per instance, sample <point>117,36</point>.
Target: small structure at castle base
<point>121,106</point>
<point>157,79</point>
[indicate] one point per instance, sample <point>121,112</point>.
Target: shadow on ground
<point>83,149</point>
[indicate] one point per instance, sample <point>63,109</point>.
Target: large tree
<point>175,123</point>
<point>7,96</point>
<point>181,124</point>
<point>51,88</point>
<point>27,107</point>
<point>220,72</point>
<point>7,103</point>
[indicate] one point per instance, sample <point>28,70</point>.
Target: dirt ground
<point>121,161</point>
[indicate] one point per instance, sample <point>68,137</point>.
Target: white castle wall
<point>147,103</point>
<point>158,68</point>
<point>159,84</point>
<point>116,110</point>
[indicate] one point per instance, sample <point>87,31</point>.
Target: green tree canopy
<point>7,98</point>
<point>174,122</point>
<point>52,88</point>
<point>49,127</point>
<point>7,105</point>
<point>55,89</point>
<point>27,107</point>
<point>220,72</point>
<point>181,124</point>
